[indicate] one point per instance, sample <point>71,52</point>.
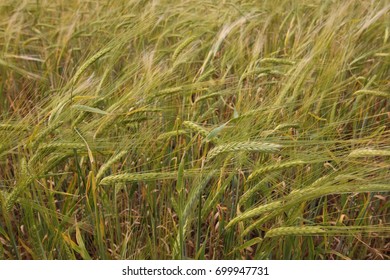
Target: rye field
<point>194,129</point>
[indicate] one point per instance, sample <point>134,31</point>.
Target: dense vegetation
<point>194,129</point>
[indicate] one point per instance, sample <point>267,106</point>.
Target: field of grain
<point>194,129</point>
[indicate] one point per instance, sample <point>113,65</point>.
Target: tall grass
<point>194,129</point>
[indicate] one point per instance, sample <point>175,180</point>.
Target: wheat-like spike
<point>321,180</point>
<point>47,148</point>
<point>194,194</point>
<point>305,230</point>
<point>213,199</point>
<point>261,221</point>
<point>299,196</point>
<point>37,243</point>
<point>53,162</point>
<point>107,122</point>
<point>38,139</point>
<point>62,145</point>
<point>277,61</point>
<point>273,167</point>
<point>249,193</point>
<point>183,216</point>
<point>305,194</point>
<point>69,255</point>
<point>259,71</point>
<point>91,60</point>
<point>327,230</point>
<point>108,164</point>
<point>110,119</point>
<point>256,212</point>
<point>22,184</point>
<point>354,229</point>
<point>12,127</point>
<point>170,134</point>
<point>40,153</point>
<point>206,96</point>
<point>244,146</point>
<point>170,90</point>
<point>143,110</point>
<point>273,72</point>
<point>150,176</point>
<point>182,46</point>
<point>368,153</point>
<point>3,196</point>
<point>372,92</point>
<point>275,211</point>
<point>196,128</point>
<point>220,38</point>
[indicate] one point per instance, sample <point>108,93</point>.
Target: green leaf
<point>250,243</point>
<point>213,133</point>
<point>80,242</point>
<point>89,109</point>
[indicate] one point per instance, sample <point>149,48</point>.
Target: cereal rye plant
<point>194,129</point>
